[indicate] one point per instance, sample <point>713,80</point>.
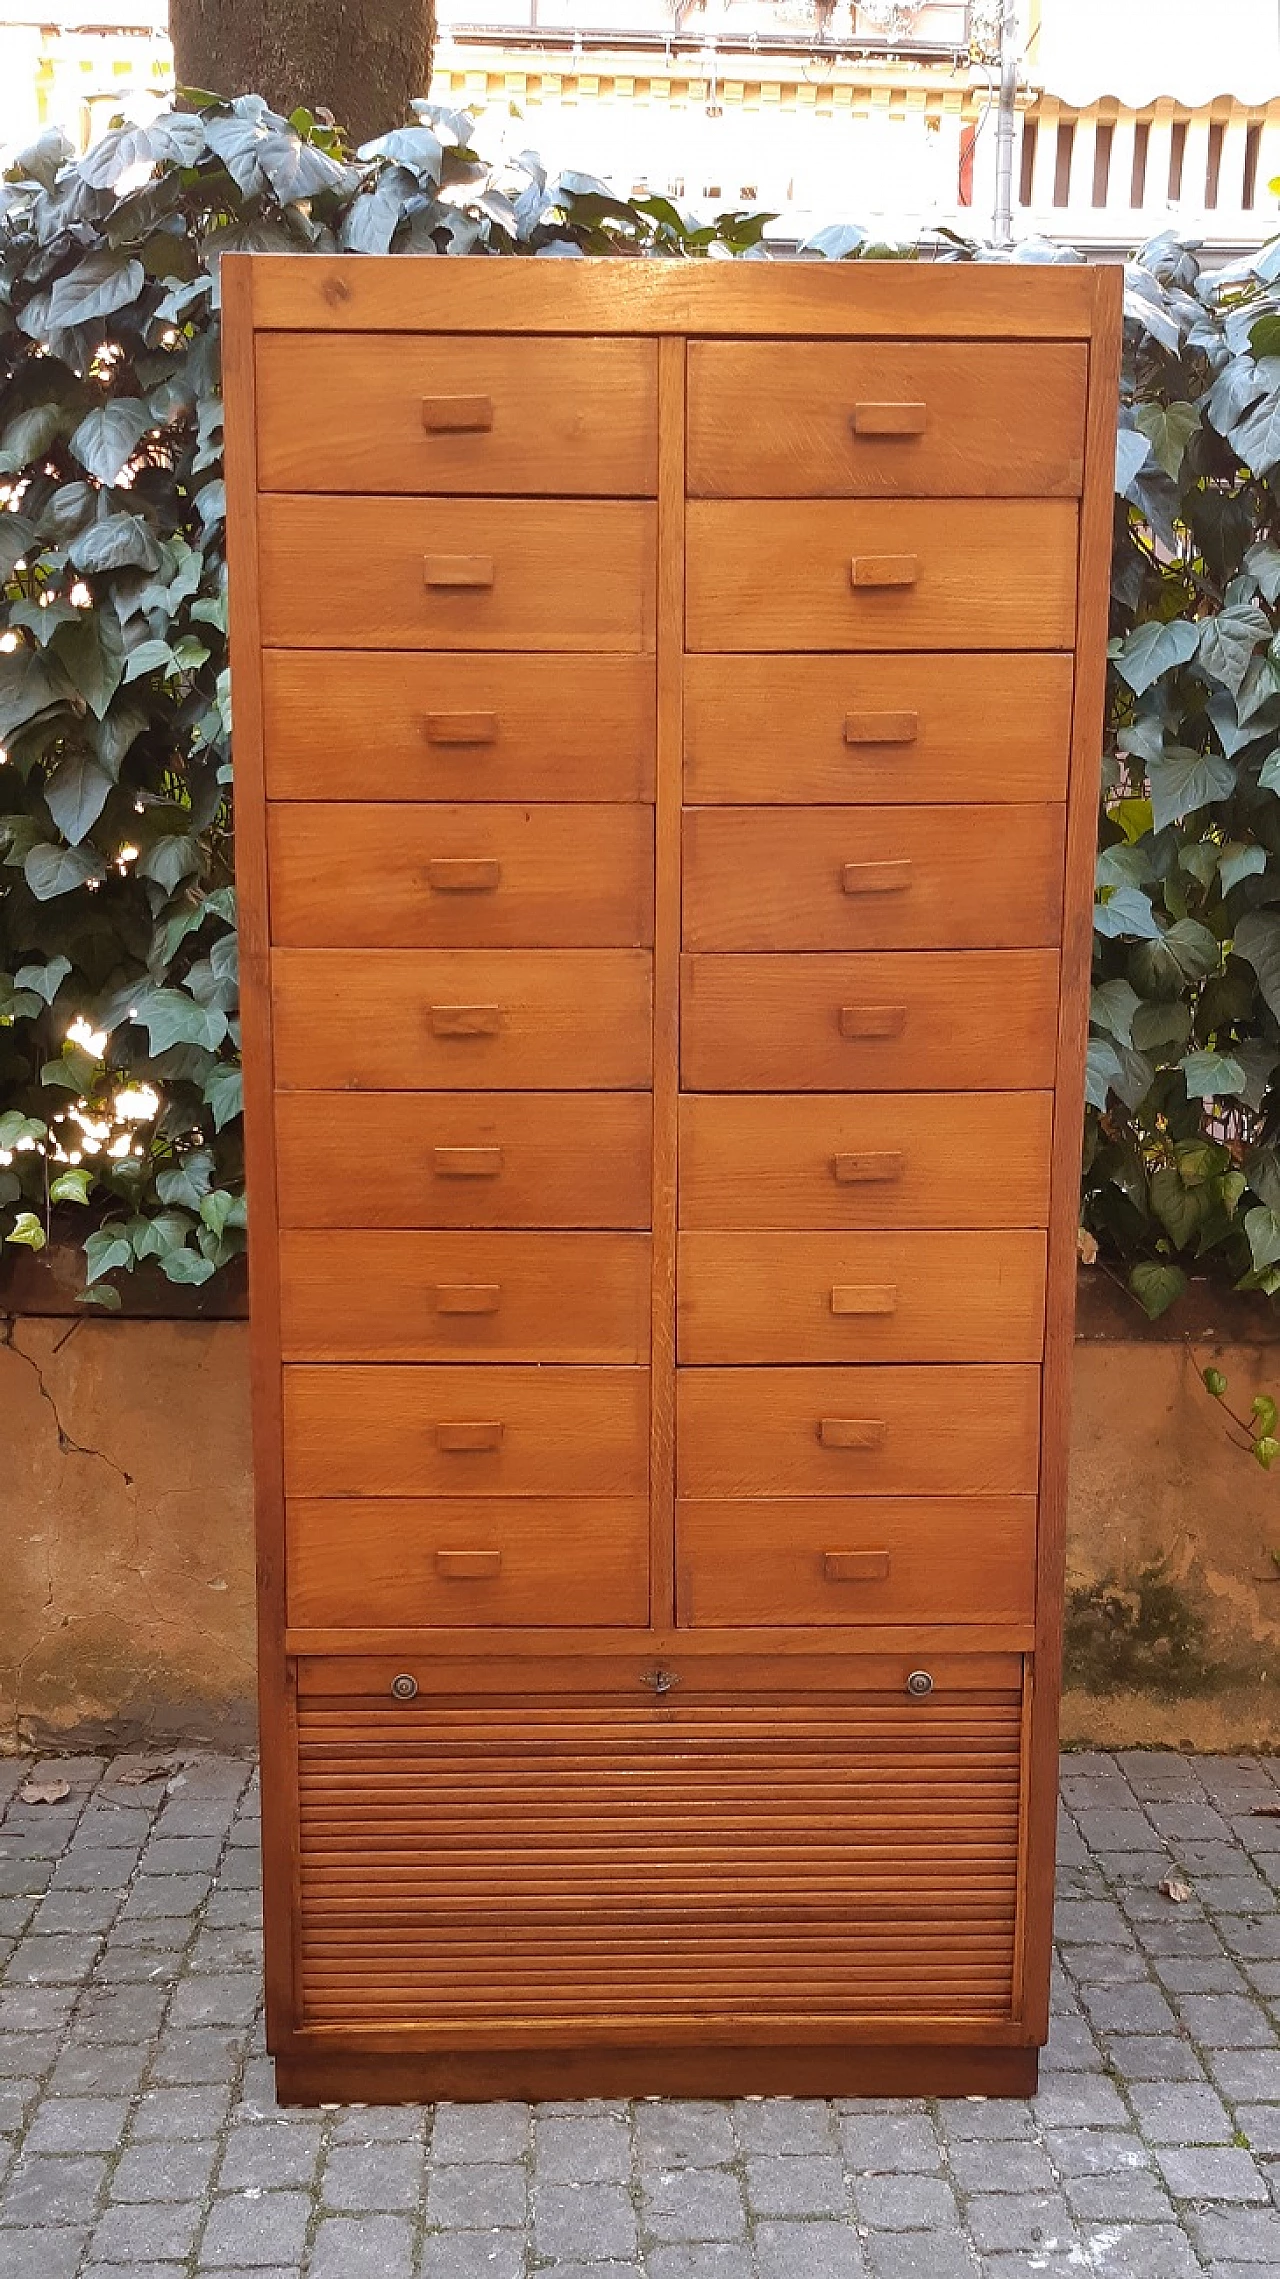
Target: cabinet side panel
<point>275,1689</point>
<point>666,967</point>
<point>1093,589</point>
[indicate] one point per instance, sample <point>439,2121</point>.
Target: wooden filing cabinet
<point>667,709</point>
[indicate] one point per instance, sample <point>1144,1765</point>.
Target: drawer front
<point>749,1433</point>
<point>918,1021</point>
<point>880,574</point>
<point>876,1559</point>
<point>423,412</point>
<point>471,1159</point>
<point>916,419</point>
<point>870,1160</point>
<point>875,731</point>
<point>861,1297</point>
<point>457,877</point>
<point>456,573</point>
<point>397,1563</point>
<point>471,727</point>
<point>830,878</point>
<point>466,1432</point>
<point>373,1296</point>
<point>462,1020</point>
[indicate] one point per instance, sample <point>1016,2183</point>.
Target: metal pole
<point>1005,121</point>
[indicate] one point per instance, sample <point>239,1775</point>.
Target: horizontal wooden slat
<point>377,1560</point>
<point>865,1559</point>
<point>936,1431</point>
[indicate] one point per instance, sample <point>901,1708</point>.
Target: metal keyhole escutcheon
<point>404,1687</point>
<point>660,1681</point>
<point>919,1684</point>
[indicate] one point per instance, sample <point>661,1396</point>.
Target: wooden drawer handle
<point>884,569</point>
<point>864,1298</point>
<point>466,570</point>
<point>853,1566</point>
<point>888,419</point>
<point>876,878</point>
<point>457,415</point>
<point>467,1297</point>
<point>881,727</point>
<point>468,1566</point>
<point>466,1162</point>
<point>868,1167</point>
<point>872,1020</point>
<point>460,727</point>
<point>467,1439</point>
<point>463,874</point>
<point>852,1431</point>
<point>465,1020</point>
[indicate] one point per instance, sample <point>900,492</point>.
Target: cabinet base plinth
<point>474,2076</point>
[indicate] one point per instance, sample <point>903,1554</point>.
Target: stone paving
<point>139,2133</point>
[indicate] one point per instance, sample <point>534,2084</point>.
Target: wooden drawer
<point>865,1160</point>
<point>813,419</point>
<point>748,1433</point>
<point>464,1159</point>
<point>872,731</point>
<point>373,1296</point>
<point>462,1020</point>
<point>880,574</point>
<point>376,573</point>
<point>470,727</point>
<point>876,1559</point>
<point>572,877</point>
<point>861,1297</point>
<point>831,878</point>
<point>917,1021</point>
<point>466,1432</point>
<point>394,1563</point>
<point>433,412</point>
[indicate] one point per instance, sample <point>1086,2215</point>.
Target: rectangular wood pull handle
<point>457,415</point>
<point>467,1297</point>
<point>468,1566</point>
<point>876,878</point>
<point>853,1566</point>
<point>888,419</point>
<point>852,1431</point>
<point>460,727</point>
<point>464,570</point>
<point>463,874</point>
<point>467,1439</point>
<point>872,1020</point>
<point>864,1298</point>
<point>865,1167</point>
<point>466,1162</point>
<point>884,569</point>
<point>881,727</point>
<point>465,1020</point>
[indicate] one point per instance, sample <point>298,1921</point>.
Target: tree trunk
<point>364,60</point>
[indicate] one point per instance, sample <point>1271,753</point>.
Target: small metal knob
<point>404,1687</point>
<point>919,1684</point>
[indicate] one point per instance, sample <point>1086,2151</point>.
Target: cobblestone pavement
<point>139,2133</point>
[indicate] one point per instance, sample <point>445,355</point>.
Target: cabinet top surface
<point>618,294</point>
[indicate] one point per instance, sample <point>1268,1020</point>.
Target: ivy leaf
<point>1257,941</point>
<point>1257,438</point>
<point>96,287</point>
<point>188,1182</point>
<point>118,542</point>
<point>1184,952</point>
<point>1162,1024</point>
<point>107,438</point>
<point>224,1094</point>
<point>27,1231</point>
<point>51,871</point>
<point>1212,1076</point>
<point>1168,429</point>
<point>1133,451</point>
<point>1229,640</point>
<point>1262,1226</point>
<point>29,685</point>
<point>106,1249</point>
<point>45,979</point>
<point>1126,910</point>
<point>1154,649</point>
<point>172,1018</point>
<point>1176,1205</point>
<point>75,795</point>
<point>1263,563</point>
<point>71,1186</point>
<point>186,1266</point>
<point>1156,1286</point>
<point>1182,780</point>
<point>1112,1008</point>
<point>1238,861</point>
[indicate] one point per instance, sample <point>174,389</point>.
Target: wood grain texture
<point>834,878</point>
<point>457,1295</point>
<point>464,877</point>
<point>457,727</point>
<point>469,1159</point>
<point>356,2070</point>
<point>345,412</point>
<point>966,1020</point>
<point>574,574</point>
<point>373,1560</point>
<point>570,1020</point>
<point>861,1297</point>
<point>933,1431</point>
<point>378,1431</point>
<point>725,1666</point>
<point>873,1559</point>
<point>879,731</point>
<point>666,973</point>
<point>776,574</point>
<point>906,1159</point>
<point>809,419</point>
